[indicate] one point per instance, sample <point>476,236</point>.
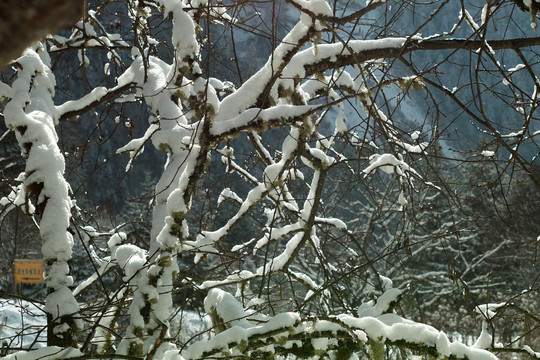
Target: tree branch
<point>345,58</point>
<point>111,94</point>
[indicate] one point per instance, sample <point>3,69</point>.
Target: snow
<point>382,304</point>
<point>410,331</point>
<point>136,146</point>
<point>377,326</point>
<point>443,344</point>
<point>488,153</point>
<point>247,94</point>
<point>369,2</point>
<point>281,260</point>
<point>341,121</point>
<point>486,12</point>
<point>279,114</point>
<point>414,149</point>
<point>47,353</point>
<point>335,222</point>
<point>131,259</point>
<point>240,276</point>
<point>183,35</point>
<point>62,296</point>
<point>489,310</point>
<point>74,105</point>
<point>5,92</point>
<point>32,109</point>
<point>332,51</point>
<point>276,234</point>
<point>228,194</point>
<point>317,7</point>
<point>226,307</point>
<point>206,240</point>
<point>238,334</point>
<point>516,68</point>
<point>485,338</point>
<point>325,160</point>
<point>57,275</point>
<point>530,351</point>
<point>17,197</point>
<point>115,240</point>
<point>386,163</point>
<point>22,324</point>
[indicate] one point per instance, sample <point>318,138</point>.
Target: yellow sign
<point>28,271</point>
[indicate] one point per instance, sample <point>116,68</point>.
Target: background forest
<point>257,179</point>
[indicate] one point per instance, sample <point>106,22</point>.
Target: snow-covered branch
<point>32,114</point>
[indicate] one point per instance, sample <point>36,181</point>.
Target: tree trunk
<point>24,22</point>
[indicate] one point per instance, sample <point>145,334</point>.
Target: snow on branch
<point>292,333</point>
<point>32,115</point>
<point>100,95</point>
<point>338,60</point>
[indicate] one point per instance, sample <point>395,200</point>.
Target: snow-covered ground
<point>22,324</point>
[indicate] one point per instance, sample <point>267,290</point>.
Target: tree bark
<point>23,22</point>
